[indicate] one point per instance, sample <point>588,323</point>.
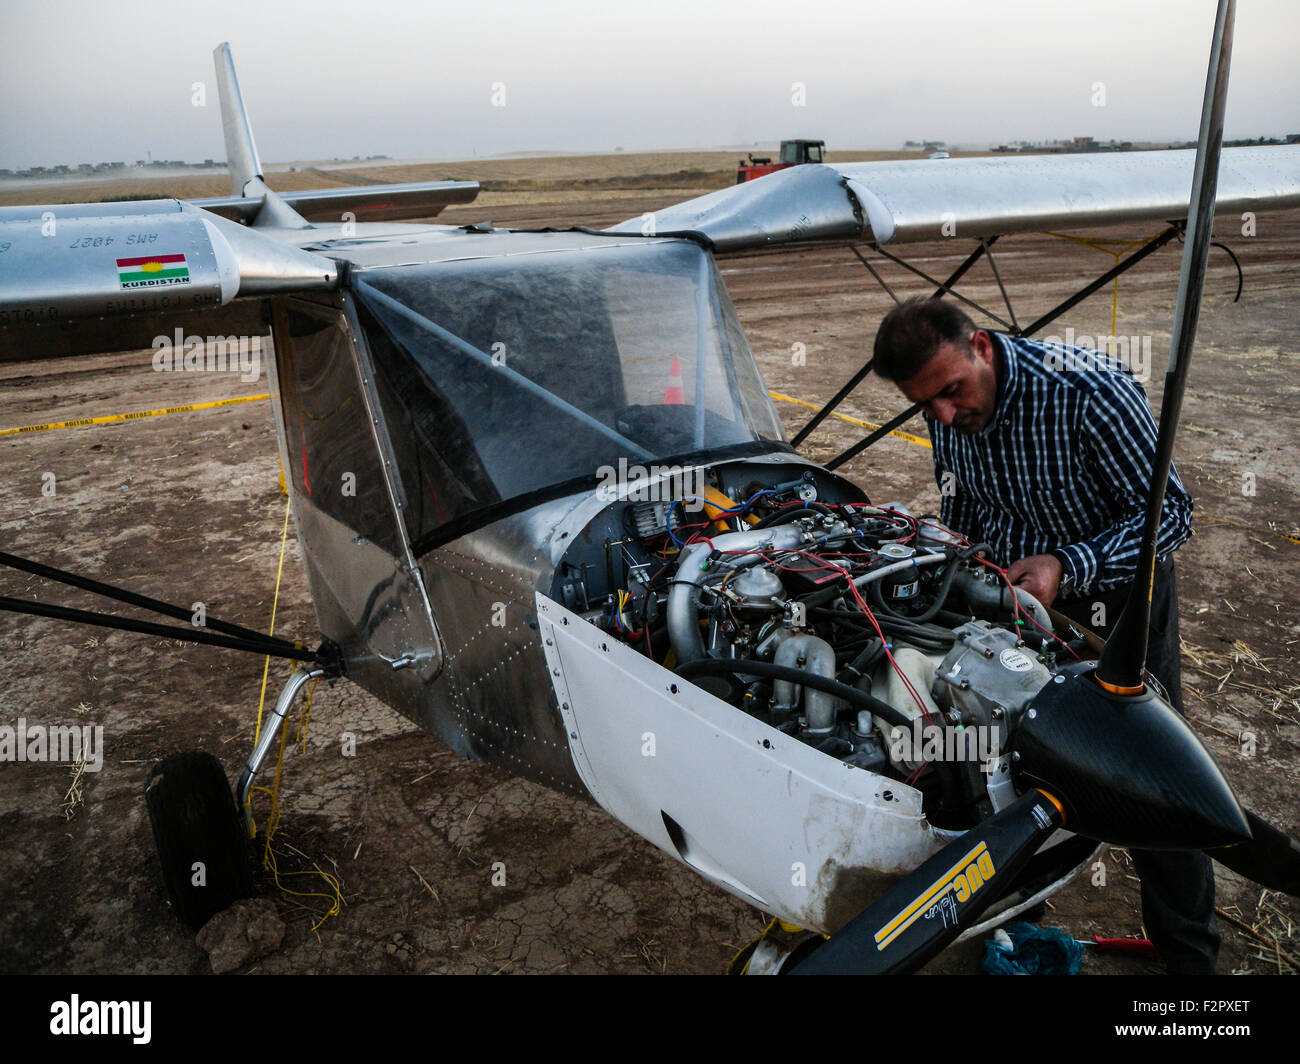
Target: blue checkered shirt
<point>1063,467</point>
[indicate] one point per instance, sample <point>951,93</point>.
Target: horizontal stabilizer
<point>366,203</point>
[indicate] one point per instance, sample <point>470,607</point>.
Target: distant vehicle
<point>793,153</point>
<point>937,155</point>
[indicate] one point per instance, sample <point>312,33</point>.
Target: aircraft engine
<point>882,639</point>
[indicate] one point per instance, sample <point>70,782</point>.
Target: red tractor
<point>793,153</point>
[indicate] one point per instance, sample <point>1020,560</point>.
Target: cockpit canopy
<point>502,377</point>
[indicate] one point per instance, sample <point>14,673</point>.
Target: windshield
<point>504,376</point>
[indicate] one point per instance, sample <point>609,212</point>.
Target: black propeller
<point>1123,769</point>
<point>1098,751</point>
<point>947,894</point>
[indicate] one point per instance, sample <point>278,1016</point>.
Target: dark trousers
<point>1177,888</point>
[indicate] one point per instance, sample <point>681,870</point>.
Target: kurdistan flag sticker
<point>153,271</point>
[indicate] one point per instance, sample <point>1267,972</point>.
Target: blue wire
<point>722,510</point>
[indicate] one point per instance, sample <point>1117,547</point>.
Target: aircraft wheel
<point>199,835</point>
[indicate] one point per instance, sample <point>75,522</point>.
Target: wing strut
<point>231,637</point>
<point>1154,244</point>
<point>861,374</point>
<point>1124,656</point>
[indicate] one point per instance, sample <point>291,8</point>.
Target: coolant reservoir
<point>887,686</point>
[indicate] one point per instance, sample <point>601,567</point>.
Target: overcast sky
<point>95,80</point>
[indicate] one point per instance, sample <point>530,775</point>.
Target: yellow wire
<point>335,897</point>
<point>746,946</point>
<point>275,602</point>
<point>1124,248</point>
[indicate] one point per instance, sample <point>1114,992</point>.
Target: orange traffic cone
<point>675,396</point>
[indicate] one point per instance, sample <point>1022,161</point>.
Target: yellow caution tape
<point>921,441</point>
<point>109,419</point>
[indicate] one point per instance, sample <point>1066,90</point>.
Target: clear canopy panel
<point>502,377</point>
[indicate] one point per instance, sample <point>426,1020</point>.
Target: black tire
<point>195,822</point>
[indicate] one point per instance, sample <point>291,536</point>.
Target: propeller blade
<point>1126,768</point>
<point>944,896</point>
<point>1271,858</point>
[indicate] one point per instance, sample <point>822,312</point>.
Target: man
<point>1045,453</point>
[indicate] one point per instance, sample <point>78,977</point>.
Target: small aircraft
<point>549,513</point>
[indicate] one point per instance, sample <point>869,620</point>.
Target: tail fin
<point>241,152</point>
<point>254,204</point>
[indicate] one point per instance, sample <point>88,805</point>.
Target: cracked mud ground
<point>187,508</point>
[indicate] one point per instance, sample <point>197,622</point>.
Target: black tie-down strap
<point>213,632</point>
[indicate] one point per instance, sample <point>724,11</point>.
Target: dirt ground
<point>187,507</point>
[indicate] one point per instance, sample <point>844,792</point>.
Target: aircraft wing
<point>927,199</point>
<point>75,276</point>
<point>81,278</point>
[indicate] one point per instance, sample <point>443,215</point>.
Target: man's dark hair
<point>911,333</point>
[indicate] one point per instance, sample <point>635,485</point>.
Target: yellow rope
<point>736,957</point>
<point>335,896</point>
<point>1250,528</point>
<point>275,601</point>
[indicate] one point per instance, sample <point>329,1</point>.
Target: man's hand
<point>1039,575</point>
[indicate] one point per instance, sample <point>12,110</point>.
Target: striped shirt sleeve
<point>1120,452</point>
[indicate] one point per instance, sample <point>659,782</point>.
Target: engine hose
<point>915,630</point>
<point>942,638</point>
<point>945,585</point>
<point>792,511</point>
<point>949,619</point>
<point>731,666</point>
<point>848,649</point>
<point>683,597</point>
<point>862,662</point>
<point>922,635</point>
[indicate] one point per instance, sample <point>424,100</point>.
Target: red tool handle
<point>1140,947</point>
